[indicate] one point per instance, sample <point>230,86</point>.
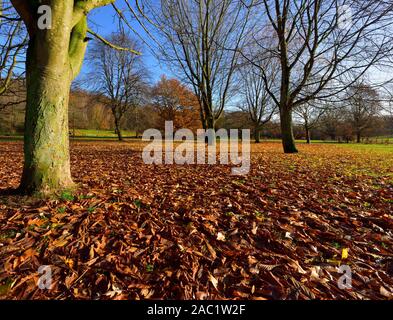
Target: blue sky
<point>102,21</point>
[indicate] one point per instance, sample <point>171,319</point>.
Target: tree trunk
<point>53,59</point>
<point>46,143</point>
<point>210,122</point>
<point>203,120</point>
<point>358,137</point>
<point>118,130</point>
<point>308,135</point>
<point>288,140</point>
<point>257,134</point>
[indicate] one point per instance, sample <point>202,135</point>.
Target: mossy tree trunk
<point>54,58</point>
<point>47,163</point>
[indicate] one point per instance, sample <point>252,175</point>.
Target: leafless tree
<point>386,94</point>
<point>256,100</point>
<point>363,108</point>
<point>195,36</point>
<point>309,115</point>
<point>119,75</point>
<point>12,49</point>
<point>318,44</point>
<point>330,122</point>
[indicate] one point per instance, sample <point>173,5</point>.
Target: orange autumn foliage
<point>175,102</point>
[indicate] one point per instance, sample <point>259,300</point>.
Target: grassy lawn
<point>10,137</point>
<point>89,133</point>
<point>380,148</point>
<point>376,141</point>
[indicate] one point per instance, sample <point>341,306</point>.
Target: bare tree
<point>330,122</point>
<point>196,35</point>
<point>363,108</point>
<point>386,94</point>
<point>120,76</point>
<point>318,44</point>
<point>256,99</point>
<point>309,115</point>
<point>12,50</point>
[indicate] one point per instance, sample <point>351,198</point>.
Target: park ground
<point>137,231</point>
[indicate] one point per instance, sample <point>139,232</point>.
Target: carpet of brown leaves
<point>136,231</point>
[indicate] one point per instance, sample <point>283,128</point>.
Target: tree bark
<point>117,127</point>
<point>288,140</point>
<point>211,122</point>
<point>257,134</point>
<point>308,135</point>
<point>53,59</point>
<point>203,118</point>
<point>46,142</point>
<point>358,137</point>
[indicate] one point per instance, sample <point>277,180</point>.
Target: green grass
<point>368,147</point>
<point>88,133</point>
<point>91,134</point>
<point>79,134</point>
<point>383,139</point>
<point>10,137</point>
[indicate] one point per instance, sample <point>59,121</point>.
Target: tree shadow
<point>10,192</point>
<point>15,198</point>
<point>10,196</point>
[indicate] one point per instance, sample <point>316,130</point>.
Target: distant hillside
<point>85,112</point>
